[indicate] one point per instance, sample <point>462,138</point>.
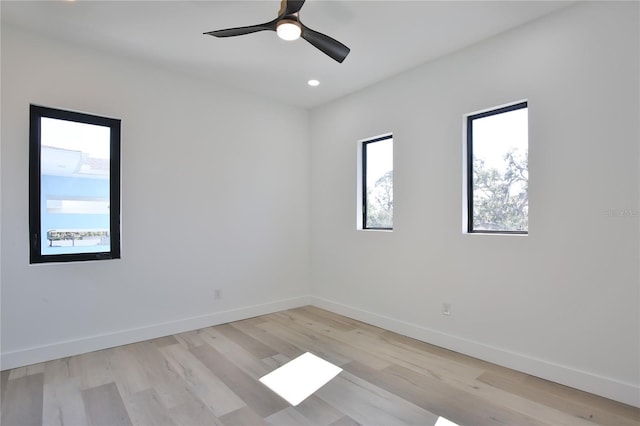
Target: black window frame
<point>470,119</point>
<point>364,182</point>
<point>36,113</point>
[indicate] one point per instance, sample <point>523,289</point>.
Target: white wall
<point>214,195</point>
<point>563,302</point>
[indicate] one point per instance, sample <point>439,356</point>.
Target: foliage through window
<point>74,186</point>
<point>497,170</point>
<point>377,181</point>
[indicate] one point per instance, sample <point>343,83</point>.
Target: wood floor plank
<point>365,343</point>
<point>165,341</point>
<point>145,408</point>
<point>246,361</point>
<point>288,416</point>
<point>35,369</point>
<point>433,395</point>
<point>244,416</point>
<point>410,343</point>
<point>485,395</point>
<point>253,346</point>
<point>63,404</point>
<point>17,373</point>
<point>126,370</point>
<point>419,360</point>
<point>562,397</point>
<point>318,411</point>
<point>22,403</point>
<point>57,370</point>
<point>359,325</point>
<point>371,405</point>
<point>276,361</point>
<point>331,323</point>
<point>251,321</point>
<point>257,396</point>
<point>342,341</point>
<point>200,379</point>
<point>103,405</point>
<point>4,378</point>
<point>190,339</point>
<point>281,346</point>
<point>92,368</point>
<point>346,421</point>
<point>599,403</point>
<point>172,390</point>
<point>194,412</point>
<point>306,340</point>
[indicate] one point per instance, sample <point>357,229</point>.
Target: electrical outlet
<point>446,309</point>
<point>217,294</point>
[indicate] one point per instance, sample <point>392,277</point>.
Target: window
<point>74,186</point>
<point>497,170</point>
<point>377,183</point>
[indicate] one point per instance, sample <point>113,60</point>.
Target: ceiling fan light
<point>288,30</point>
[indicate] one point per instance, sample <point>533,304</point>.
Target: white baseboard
<point>627,393</point>
<point>63,349</point>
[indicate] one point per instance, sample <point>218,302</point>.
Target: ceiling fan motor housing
<point>288,27</point>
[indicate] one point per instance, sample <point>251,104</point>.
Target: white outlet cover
<point>301,377</point>
<point>446,309</point>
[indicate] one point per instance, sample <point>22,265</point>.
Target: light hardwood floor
<point>210,377</point>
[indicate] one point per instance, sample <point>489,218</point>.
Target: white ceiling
<point>385,37</point>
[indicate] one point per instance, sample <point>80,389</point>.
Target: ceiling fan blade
<point>326,44</point>
<point>292,6</point>
<point>232,32</point>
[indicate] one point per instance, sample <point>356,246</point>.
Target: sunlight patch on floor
<point>301,377</point>
<point>445,422</point>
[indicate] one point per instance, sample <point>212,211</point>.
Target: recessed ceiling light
<point>313,83</point>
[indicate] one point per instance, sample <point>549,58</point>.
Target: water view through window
<point>75,187</point>
<point>72,188</point>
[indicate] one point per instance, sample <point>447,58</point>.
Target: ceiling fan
<point>289,27</point>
